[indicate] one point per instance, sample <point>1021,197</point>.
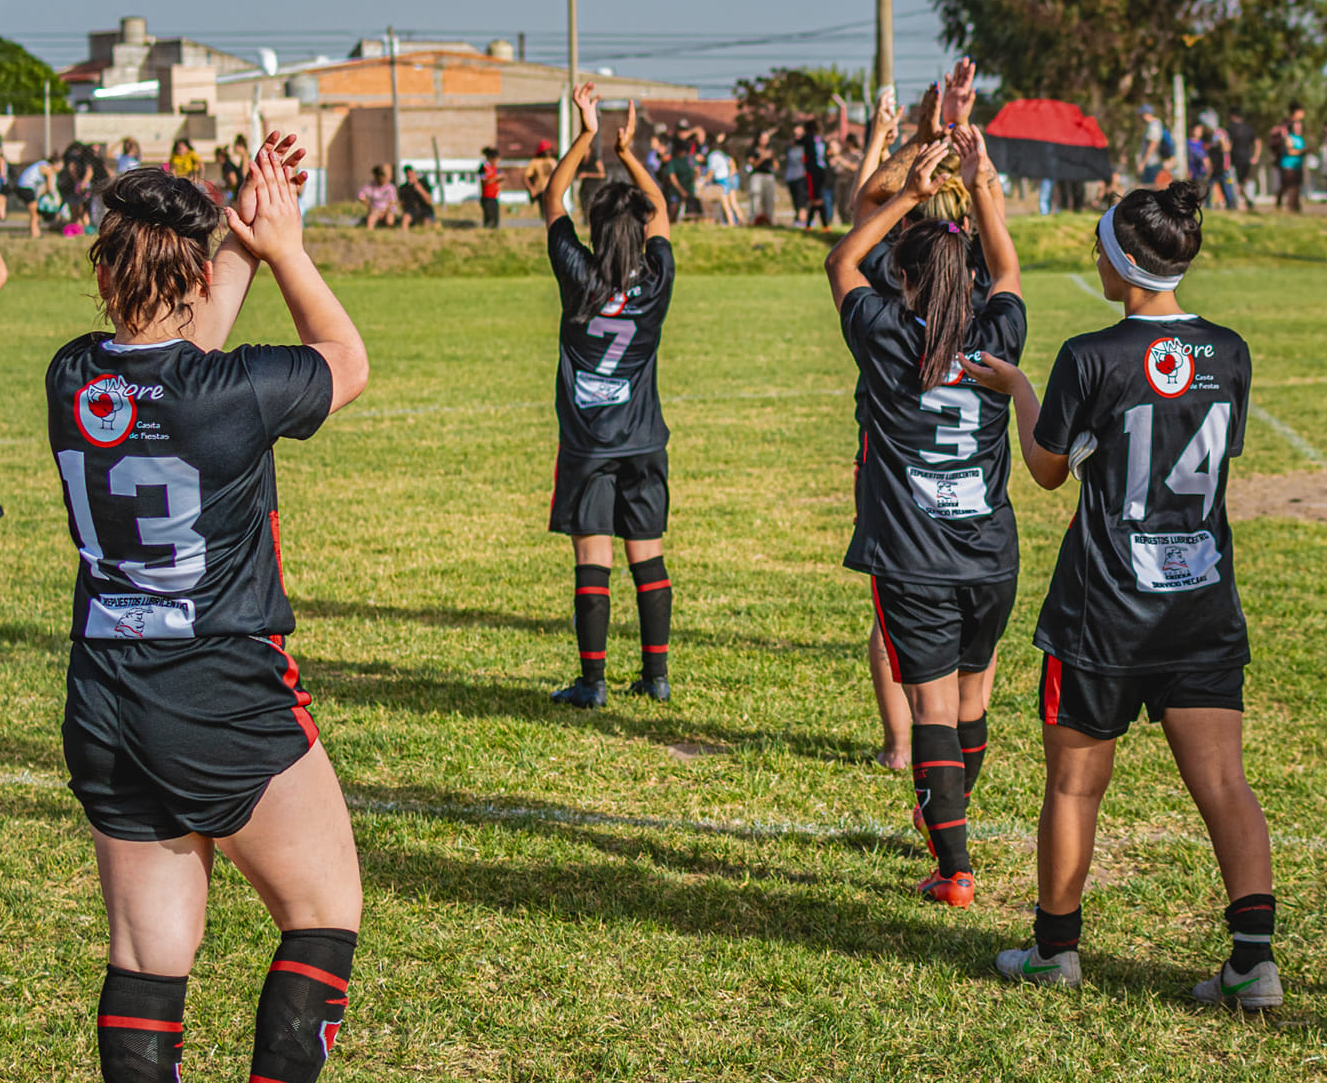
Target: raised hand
<point>975,167</point>
<point>923,182</point>
<point>886,114</point>
<point>626,136</point>
<point>288,155</point>
<point>929,127</point>
<point>276,230</point>
<point>956,106</point>
<point>586,100</point>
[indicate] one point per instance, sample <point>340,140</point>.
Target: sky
<point>705,43</point>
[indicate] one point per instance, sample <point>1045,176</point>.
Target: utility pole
<point>884,45</point>
<point>396,109</point>
<point>1180,126</point>
<point>573,47</point>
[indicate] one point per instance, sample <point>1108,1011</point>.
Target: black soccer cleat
<point>654,687</point>
<point>584,693</point>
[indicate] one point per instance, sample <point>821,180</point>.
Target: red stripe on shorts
<point>884,634</point>
<point>302,698</point>
<point>274,521</point>
<point>1050,691</point>
<point>306,971</point>
<point>129,1022</point>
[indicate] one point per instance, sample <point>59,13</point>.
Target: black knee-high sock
<point>1251,920</point>
<point>592,610</point>
<point>140,1027</point>
<point>1057,932</point>
<point>972,740</point>
<point>654,604</point>
<point>302,1005</point>
<point>937,776</point>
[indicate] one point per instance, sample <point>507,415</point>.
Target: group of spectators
<point>63,190</point>
<point>387,204</point>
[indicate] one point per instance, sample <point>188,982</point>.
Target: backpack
<point>1166,148</point>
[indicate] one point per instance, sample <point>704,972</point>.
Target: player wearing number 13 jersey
<point>934,526</point>
<point>186,728</point>
<point>1142,608</point>
<point>612,466</point>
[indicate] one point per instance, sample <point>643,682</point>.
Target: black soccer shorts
<point>931,630</point>
<point>1104,707</point>
<point>167,737</point>
<point>627,497</point>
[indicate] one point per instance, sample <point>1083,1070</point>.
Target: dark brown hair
<point>154,242</point>
<point>1162,230</point>
<point>932,257</point>
<point>618,213</point>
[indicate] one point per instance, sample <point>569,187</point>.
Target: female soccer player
<point>934,528</point>
<point>186,728</point>
<point>1142,607</point>
<point>612,465</point>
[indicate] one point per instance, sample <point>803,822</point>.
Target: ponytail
<point>617,213</point>
<point>932,258</point>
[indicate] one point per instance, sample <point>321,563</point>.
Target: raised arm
<point>889,177</point>
<point>657,226</point>
<point>883,133</point>
<point>276,236</point>
<point>565,171</point>
<point>841,265</point>
<point>233,265</point>
<point>981,180</point>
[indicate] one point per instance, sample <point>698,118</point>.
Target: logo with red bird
<point>1169,367</point>
<point>105,411</point>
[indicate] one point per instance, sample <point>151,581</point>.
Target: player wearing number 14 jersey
<point>934,526</point>
<point>612,465</point>
<point>1142,608</point>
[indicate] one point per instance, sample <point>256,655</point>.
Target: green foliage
<point>786,95</point>
<point>22,81</point>
<point>1109,56</point>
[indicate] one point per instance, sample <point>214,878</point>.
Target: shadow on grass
<point>43,752</point>
<point>376,684</point>
<point>30,634</point>
<point>560,624</point>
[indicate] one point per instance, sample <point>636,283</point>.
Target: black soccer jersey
<point>932,504</point>
<point>1145,580</point>
<point>607,389</point>
<point>165,452</point>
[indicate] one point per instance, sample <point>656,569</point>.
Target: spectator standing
<point>379,199</point>
<point>1200,165</point>
<point>817,169</point>
<point>1245,153</point>
<point>844,161</point>
<point>539,170</point>
<point>490,186</point>
<point>761,161</point>
<point>722,171</point>
<point>794,174</point>
<point>416,201</point>
<point>1158,146</point>
<point>682,168</point>
<point>1291,159</point>
<point>231,177</point>
<point>1218,153</point>
<point>36,183</point>
<point>130,157</point>
<point>592,175</point>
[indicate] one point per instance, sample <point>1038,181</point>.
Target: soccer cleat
<point>1027,964</point>
<point>654,687</point>
<point>919,822</point>
<point>583,693</point>
<point>954,890</point>
<point>1259,988</point>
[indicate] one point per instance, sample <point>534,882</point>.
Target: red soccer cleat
<point>956,890</point>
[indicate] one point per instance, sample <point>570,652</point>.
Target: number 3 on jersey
<point>623,331</point>
<point>174,529</point>
<point>1187,478</point>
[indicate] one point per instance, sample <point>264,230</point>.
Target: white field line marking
<point>756,830</point>
<point>1289,435</point>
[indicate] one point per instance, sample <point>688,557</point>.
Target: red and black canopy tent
<point>1044,138</point>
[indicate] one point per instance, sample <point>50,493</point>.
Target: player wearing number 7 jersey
<point>935,530</point>
<point>1142,607</point>
<point>186,729</point>
<point>612,465</point>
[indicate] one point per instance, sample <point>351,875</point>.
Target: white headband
<point>1128,270</point>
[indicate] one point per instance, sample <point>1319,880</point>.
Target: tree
<point>1109,56</point>
<point>22,81</point>
<point>786,95</point>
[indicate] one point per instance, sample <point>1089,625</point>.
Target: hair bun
<point>1183,199</point>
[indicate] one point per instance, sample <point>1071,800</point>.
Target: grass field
<point>715,889</point>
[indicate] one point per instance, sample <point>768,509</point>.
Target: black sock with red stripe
<point>140,1027</point>
<point>592,611</point>
<point>937,776</point>
<point>1251,920</point>
<point>654,604</point>
<point>972,740</point>
<point>1057,932</point>
<point>302,1005</point>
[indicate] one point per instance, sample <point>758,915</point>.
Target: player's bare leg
<point>1208,749</point>
<point>895,715</point>
<point>1078,769</point>
<point>594,549</point>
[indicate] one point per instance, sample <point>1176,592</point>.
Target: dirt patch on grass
<point>1301,495</point>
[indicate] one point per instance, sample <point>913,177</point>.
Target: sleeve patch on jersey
<point>1165,563</point>
<point>950,494</point>
<point>139,616</point>
<point>592,390</point>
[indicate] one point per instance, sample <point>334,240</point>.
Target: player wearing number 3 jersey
<point>186,728</point>
<point>934,526</point>
<point>1142,608</point>
<point>612,466</point>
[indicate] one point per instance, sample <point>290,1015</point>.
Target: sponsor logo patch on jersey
<point>1166,563</point>
<point>139,616</point>
<point>105,411</point>
<point>952,494</point>
<point>1169,367</point>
